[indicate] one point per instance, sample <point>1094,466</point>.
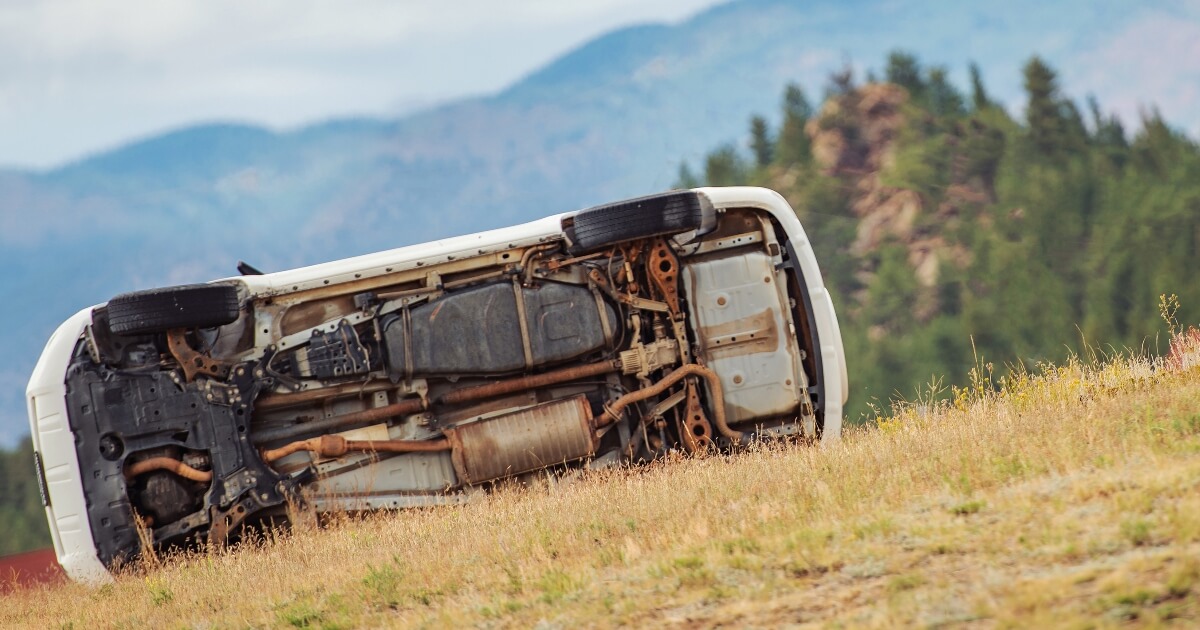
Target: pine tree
<point>1108,137</point>
<point>983,150</point>
<point>761,144</point>
<point>1097,116</point>
<point>979,97</point>
<point>1076,131</point>
<point>942,97</point>
<point>903,70</point>
<point>685,178</point>
<point>724,167</point>
<point>1043,113</point>
<point>1156,148</point>
<point>794,145</point>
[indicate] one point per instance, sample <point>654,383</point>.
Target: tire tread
<point>185,306</point>
<point>655,215</point>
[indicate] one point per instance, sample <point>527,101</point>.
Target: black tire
<point>187,306</point>
<point>654,215</point>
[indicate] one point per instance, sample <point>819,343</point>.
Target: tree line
<point>1056,231</point>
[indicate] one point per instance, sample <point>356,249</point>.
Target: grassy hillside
<point>1069,496</point>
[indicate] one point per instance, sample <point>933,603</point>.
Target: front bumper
<point>54,443</point>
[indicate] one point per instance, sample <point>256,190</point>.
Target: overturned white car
<point>685,320</point>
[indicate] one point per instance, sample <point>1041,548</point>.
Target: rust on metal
<point>191,361</point>
<point>449,416</point>
<point>509,386</point>
<point>396,295</point>
<point>529,439</point>
<point>613,411</point>
<point>694,429</point>
<point>599,280</point>
<point>468,394</point>
<point>756,333</point>
<point>403,408</point>
<point>392,281</point>
<point>631,251</point>
<point>663,268</point>
<point>306,315</point>
<point>556,264</point>
<point>523,322</point>
<point>268,402</point>
<point>440,285</point>
<point>167,463</point>
<point>223,522</point>
<point>533,252</point>
<point>336,446</point>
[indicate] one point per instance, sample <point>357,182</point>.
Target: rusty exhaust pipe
<point>554,377</point>
<point>414,405</point>
<point>402,408</point>
<point>167,463</point>
<point>268,402</point>
<point>613,412</point>
<point>323,446</point>
<point>336,446</point>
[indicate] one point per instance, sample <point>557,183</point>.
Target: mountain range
<point>611,119</point>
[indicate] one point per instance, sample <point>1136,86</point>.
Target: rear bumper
<point>53,441</point>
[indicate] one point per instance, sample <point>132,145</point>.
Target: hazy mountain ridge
<point>612,118</point>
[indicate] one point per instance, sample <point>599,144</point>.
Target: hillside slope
<point>611,119</point>
<point>1070,496</point>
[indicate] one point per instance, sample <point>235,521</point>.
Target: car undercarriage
<point>201,410</point>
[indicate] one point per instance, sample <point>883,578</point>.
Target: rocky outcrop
<point>854,137</point>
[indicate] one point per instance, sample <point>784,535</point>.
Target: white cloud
<point>79,75</point>
<point>1155,61</point>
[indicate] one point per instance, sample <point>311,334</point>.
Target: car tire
<point>655,215</point>
<point>186,306</point>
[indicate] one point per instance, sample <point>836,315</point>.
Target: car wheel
<point>187,306</point>
<point>654,215</point>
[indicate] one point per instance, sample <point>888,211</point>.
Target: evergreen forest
<point>955,235</point>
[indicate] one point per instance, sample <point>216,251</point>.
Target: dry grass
<point>1069,498</point>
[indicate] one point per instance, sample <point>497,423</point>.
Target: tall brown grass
<point>1070,494</point>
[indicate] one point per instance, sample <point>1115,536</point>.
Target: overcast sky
<point>78,76</point>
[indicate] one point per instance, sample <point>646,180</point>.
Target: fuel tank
<point>497,328</point>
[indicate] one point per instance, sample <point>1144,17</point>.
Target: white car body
<point>55,442</point>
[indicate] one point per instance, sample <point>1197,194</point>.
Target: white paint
<point>52,438</point>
